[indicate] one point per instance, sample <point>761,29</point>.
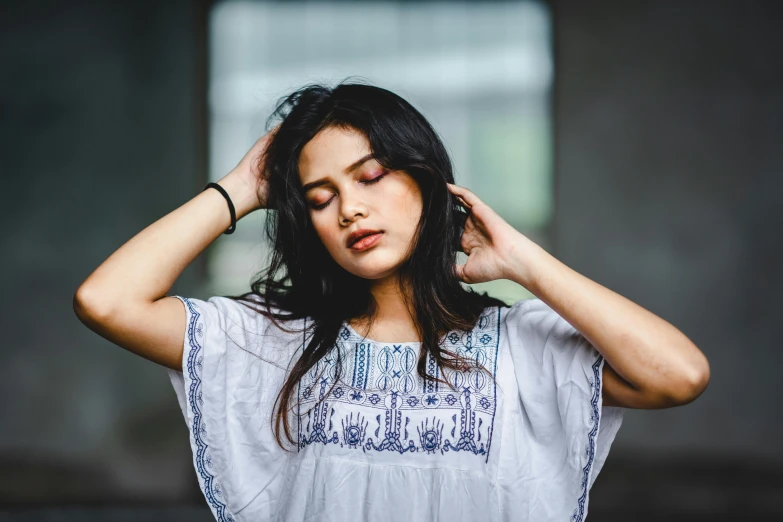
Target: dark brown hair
<point>303,280</point>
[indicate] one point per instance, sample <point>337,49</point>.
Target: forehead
<point>330,152</point>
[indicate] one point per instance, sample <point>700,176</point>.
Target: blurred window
<point>481,73</point>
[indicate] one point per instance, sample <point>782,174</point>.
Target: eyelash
<point>366,182</point>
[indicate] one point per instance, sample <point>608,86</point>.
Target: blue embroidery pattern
<point>203,459</point>
<point>384,405</point>
<point>595,418</point>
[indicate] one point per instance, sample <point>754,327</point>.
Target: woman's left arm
<point>649,363</point>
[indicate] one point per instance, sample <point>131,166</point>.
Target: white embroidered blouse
<point>523,442</point>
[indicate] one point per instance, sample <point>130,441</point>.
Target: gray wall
<point>101,135</point>
<point>669,119</point>
<point>668,124</point>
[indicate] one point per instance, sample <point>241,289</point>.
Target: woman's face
<point>346,191</point>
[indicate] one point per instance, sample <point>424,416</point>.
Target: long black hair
<point>303,280</point>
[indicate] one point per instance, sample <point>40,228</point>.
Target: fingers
<point>460,270</point>
<point>468,197</point>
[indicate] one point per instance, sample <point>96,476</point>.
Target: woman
<point>359,380</point>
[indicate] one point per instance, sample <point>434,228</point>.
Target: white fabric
<point>383,444</point>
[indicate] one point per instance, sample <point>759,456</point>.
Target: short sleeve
<point>232,366</point>
<point>559,379</point>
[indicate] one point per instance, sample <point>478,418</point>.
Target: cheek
<point>412,206</point>
<point>414,209</point>
<point>328,236</point>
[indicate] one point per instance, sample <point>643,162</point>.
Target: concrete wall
<point>102,134</point>
<point>669,124</point>
<point>669,121</point>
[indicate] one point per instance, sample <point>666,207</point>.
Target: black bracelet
<point>230,206</point>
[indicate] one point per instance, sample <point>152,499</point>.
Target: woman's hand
<point>491,244</point>
<point>250,174</point>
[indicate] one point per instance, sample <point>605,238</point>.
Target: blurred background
<point>638,142</point>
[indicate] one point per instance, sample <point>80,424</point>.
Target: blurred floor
<point>202,514</point>
<point>634,488</point>
<point>107,514</point>
<point>687,487</point>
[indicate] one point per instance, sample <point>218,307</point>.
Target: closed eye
<point>366,182</point>
<point>375,179</point>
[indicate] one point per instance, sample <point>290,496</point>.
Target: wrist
<point>526,260</point>
<point>242,195</point>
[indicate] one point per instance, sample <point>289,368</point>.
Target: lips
<point>356,235</point>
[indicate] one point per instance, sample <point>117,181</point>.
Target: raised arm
<point>124,300</point>
<point>651,364</point>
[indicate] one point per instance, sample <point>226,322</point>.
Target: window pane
<point>480,72</point>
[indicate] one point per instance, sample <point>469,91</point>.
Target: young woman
<point>359,380</point>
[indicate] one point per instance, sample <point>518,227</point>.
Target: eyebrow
<point>353,166</point>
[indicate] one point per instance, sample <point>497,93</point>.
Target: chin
<point>372,268</point>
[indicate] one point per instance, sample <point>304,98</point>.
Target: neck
<point>393,320</point>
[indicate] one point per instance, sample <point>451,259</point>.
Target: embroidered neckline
<point>381,403</point>
<point>356,335</point>
<point>361,338</point>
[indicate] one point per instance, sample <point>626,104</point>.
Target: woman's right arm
<point>124,300</point>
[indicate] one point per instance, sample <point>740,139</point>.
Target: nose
<point>351,207</point>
